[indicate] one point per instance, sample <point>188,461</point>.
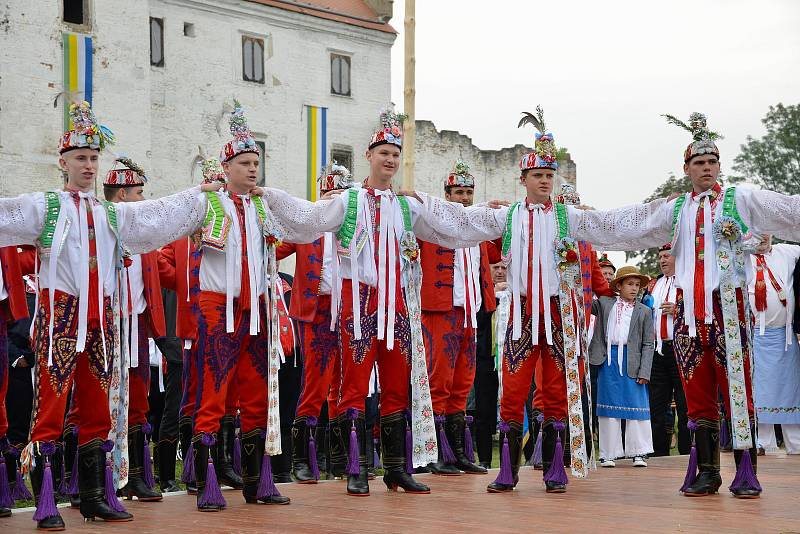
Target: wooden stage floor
<point>623,499</point>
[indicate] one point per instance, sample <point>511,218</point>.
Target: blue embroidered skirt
<point>776,385</point>
<point>619,396</point>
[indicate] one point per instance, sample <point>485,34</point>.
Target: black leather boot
<point>514,437</point>
<point>209,496</point>
<point>440,466</point>
<point>357,485</point>
<point>167,453</point>
<point>136,486</point>
<point>185,437</point>
<point>549,438</point>
<point>252,471</point>
<point>454,426</point>
<point>337,447</point>
<point>46,516</point>
<point>91,480</point>
<point>300,460</point>
<point>393,441</point>
<point>223,458</point>
<point>746,485</point>
<point>70,440</point>
<point>708,480</point>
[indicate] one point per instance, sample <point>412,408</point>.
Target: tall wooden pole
<point>409,93</point>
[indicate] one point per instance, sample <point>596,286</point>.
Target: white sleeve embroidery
<point>629,228</point>
<point>21,219</point>
<point>451,225</point>
<point>302,221</point>
<point>150,224</point>
<point>768,212</point>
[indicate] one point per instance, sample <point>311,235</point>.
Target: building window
<point>343,156</point>
<point>188,29</point>
<point>252,59</point>
<point>75,11</point>
<point>340,75</point>
<point>262,163</point>
<point>156,42</point>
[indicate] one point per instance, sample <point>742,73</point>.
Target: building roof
<point>355,12</point>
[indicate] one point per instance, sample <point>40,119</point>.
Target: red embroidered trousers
<point>322,374</point>
<point>450,349</point>
<point>359,355</point>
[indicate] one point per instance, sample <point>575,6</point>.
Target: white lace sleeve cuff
<point>21,219</point>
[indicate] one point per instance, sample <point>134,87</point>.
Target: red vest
<point>307,277</point>
<point>438,266</point>
<point>152,294</point>
<point>16,305</point>
<point>172,267</point>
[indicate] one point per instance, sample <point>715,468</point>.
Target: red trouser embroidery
<point>322,371</point>
<point>86,369</point>
<point>701,361</point>
<point>359,355</point>
<point>450,350</point>
<point>230,362</point>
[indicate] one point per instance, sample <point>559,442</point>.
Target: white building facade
<point>165,73</point>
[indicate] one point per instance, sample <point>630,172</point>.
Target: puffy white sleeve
<point>768,212</point>
<point>150,224</point>
<point>302,221</point>
<point>452,225</point>
<point>633,227</point>
<point>21,219</point>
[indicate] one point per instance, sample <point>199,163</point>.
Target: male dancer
<point>315,277</point>
<point>455,285</point>
<point>143,311</point>
<point>13,307</point>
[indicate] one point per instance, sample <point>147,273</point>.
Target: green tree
<point>647,261</point>
<point>773,161</point>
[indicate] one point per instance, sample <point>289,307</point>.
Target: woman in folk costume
<point>79,242</point>
<point>776,377</point>
<point>622,347</point>
<point>311,309</point>
<point>379,319</point>
<point>456,285</point>
<point>712,345</point>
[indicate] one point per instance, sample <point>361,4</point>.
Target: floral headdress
<point>85,131</point>
<point>702,138</point>
<point>242,141</point>
<point>335,176</point>
<point>545,153</point>
<point>391,129</point>
<point>130,174</point>
<point>459,176</point>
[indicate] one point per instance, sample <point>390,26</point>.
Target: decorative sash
<point>425,449</point>
<point>217,223</point>
<point>570,293</point>
<point>272,239</point>
<point>728,232</point>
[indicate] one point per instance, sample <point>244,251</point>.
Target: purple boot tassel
<point>211,495</point>
<point>188,466</point>
<point>111,491</point>
<point>21,492</point>
<point>745,475</point>
<point>469,448</point>
<point>691,470</point>
<point>447,452</point>
<point>311,423</point>
<point>353,468</point>
<point>147,468</point>
<point>505,476</point>
<point>556,473</point>
<point>537,450</point>
<point>237,447</point>
<point>47,500</point>
<point>73,488</point>
<point>266,485</point>
<point>6,501</point>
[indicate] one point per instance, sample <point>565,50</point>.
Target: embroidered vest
<point>51,213</point>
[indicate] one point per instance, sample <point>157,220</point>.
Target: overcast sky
<point>603,72</point>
